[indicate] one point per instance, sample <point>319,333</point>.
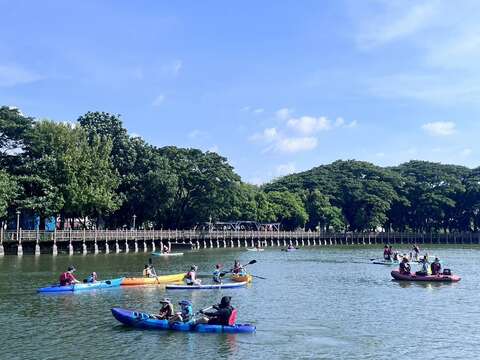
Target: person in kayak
<point>191,277</point>
<point>404,267</point>
<point>148,271</point>
<point>165,249</point>
<point>238,269</point>
<point>416,252</point>
<point>386,253</point>
<point>424,266</point>
<point>92,278</point>
<point>67,278</point>
<point>222,314</point>
<point>216,274</point>
<point>166,311</point>
<point>436,267</point>
<point>186,313</point>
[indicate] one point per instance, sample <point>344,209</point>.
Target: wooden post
<point>20,247</point>
<point>54,248</point>
<point>84,246</point>
<point>70,247</point>
<point>2,250</point>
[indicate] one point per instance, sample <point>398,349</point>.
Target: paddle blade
<point>252,262</point>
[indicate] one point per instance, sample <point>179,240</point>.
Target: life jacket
<point>64,279</point>
<point>233,317</point>
<point>187,313</point>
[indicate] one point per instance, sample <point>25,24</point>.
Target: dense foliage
<point>94,171</point>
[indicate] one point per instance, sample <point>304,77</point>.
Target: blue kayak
<point>229,285</point>
<point>146,321</point>
<point>104,284</point>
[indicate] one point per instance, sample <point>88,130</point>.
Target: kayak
<point>146,321</point>
<point>104,284</point>
<point>166,254</point>
<point>289,249</point>
<point>164,279</point>
<point>241,278</point>
<point>412,277</point>
<point>255,249</point>
<point>206,286</point>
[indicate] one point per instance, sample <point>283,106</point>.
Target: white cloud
<point>159,100</point>
<point>284,113</point>
<point>11,75</point>
<point>309,125</point>
<point>439,128</point>
<point>296,144</point>
<point>267,135</point>
<point>397,21</point>
<point>285,169</point>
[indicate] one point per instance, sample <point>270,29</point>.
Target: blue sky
<point>276,87</point>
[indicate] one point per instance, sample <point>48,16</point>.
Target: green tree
<point>288,209</point>
<point>8,192</point>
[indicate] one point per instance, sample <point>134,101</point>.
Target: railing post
<point>20,247</point>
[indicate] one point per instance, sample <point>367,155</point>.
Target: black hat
<point>225,301</point>
<point>71,268</point>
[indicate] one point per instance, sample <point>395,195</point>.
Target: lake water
<point>322,303</point>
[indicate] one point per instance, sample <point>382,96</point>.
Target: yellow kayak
<point>164,279</point>
<point>241,278</point>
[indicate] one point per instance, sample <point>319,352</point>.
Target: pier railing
<point>84,241</point>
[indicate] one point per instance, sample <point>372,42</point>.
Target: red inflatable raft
<point>412,277</point>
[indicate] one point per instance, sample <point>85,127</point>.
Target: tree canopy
<point>93,169</point>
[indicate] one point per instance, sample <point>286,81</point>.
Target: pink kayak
<point>412,277</point>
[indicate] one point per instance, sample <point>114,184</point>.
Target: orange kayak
<point>164,279</point>
<point>242,278</point>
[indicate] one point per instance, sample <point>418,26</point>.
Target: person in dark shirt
<point>67,278</point>
<point>222,313</point>
<point>405,267</point>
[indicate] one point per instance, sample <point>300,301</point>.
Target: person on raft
<point>436,267</point>
<point>186,313</point>
<point>217,274</point>
<point>404,266</point>
<point>67,278</point>
<point>424,266</point>
<point>166,312</point>
<point>148,271</point>
<point>92,278</point>
<point>222,314</point>
<point>238,269</point>
<point>290,247</point>
<point>191,277</point>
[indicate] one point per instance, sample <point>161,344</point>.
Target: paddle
<point>258,277</point>
<point>150,263</point>
<point>222,274</point>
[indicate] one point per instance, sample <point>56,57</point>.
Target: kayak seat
<point>233,317</point>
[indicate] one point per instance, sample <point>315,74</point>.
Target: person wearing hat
<point>436,267</point>
<point>191,277</point>
<point>166,311</point>
<point>221,315</point>
<point>67,278</point>
<point>404,266</point>
<point>186,313</point>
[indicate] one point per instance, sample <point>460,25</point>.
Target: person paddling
<point>217,274</point>
<point>148,271</point>
<point>222,314</point>
<point>404,267</point>
<point>386,253</point>
<point>238,269</point>
<point>416,251</point>
<point>166,311</point>
<point>67,278</point>
<point>191,277</point>
<point>165,249</point>
<point>436,267</point>
<point>424,266</point>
